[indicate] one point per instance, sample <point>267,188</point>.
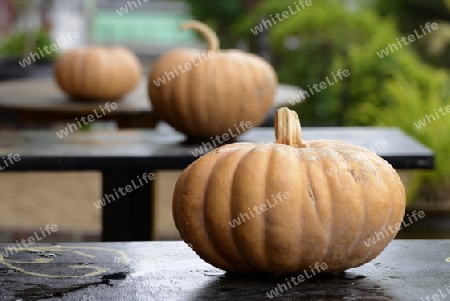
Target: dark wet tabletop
<point>164,148</point>
<point>44,94</point>
<point>406,270</point>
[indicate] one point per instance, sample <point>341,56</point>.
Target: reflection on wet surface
<point>346,286</point>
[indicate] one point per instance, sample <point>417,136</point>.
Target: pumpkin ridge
<point>63,74</point>
<point>183,108</point>
<point>206,225</point>
<point>310,191</point>
<point>246,89</point>
<point>212,235</point>
<point>376,171</point>
<point>379,183</point>
<point>111,69</point>
<point>228,94</point>
<point>265,165</point>
<point>335,179</point>
<point>328,254</point>
<point>219,102</point>
<point>127,62</point>
<point>388,216</point>
<point>362,205</point>
<point>176,195</point>
<point>181,188</point>
<point>198,237</point>
<point>264,249</point>
<point>211,106</point>
<point>266,229</point>
<point>247,260</point>
<point>239,246</point>
<point>170,101</point>
<point>216,94</point>
<point>157,91</point>
<point>327,235</point>
<point>366,204</point>
<point>98,89</point>
<point>300,231</point>
<point>77,70</point>
<point>169,104</point>
<point>383,183</point>
<point>71,74</point>
<point>198,126</point>
<point>245,102</point>
<point>182,192</point>
<point>271,166</point>
<point>175,104</point>
<point>87,82</point>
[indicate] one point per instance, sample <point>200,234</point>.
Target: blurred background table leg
<point>129,217</point>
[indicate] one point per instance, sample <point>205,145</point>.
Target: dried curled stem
<point>206,31</point>
<point>287,128</point>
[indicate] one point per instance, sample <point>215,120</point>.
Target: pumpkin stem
<point>206,31</point>
<point>287,128</point>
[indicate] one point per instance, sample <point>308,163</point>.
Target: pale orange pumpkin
<point>326,218</point>
<point>205,93</point>
<point>97,73</point>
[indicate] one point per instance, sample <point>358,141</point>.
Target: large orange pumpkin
<point>205,93</point>
<point>97,73</point>
<point>306,214</point>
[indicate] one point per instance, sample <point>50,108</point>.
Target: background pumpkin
<point>97,73</point>
<point>221,90</point>
<point>326,219</point>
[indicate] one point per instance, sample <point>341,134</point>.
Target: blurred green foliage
<point>332,36</point>
<point>410,14</point>
<point>409,105</point>
<point>219,15</point>
<point>14,45</point>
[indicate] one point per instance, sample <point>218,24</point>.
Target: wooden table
<point>123,156</point>
<point>41,101</point>
<point>408,270</point>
